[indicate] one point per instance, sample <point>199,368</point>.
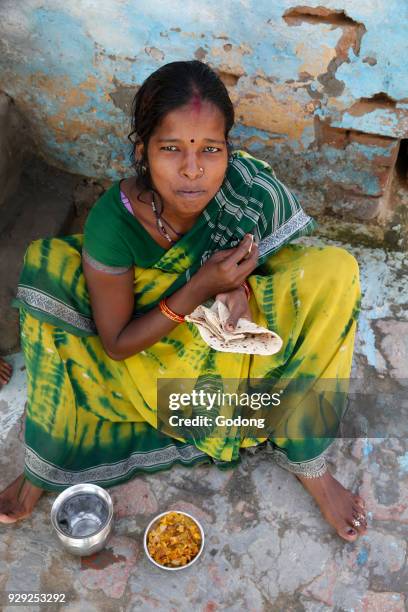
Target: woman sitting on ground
<point>102,315</point>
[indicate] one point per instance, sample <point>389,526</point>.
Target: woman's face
<point>188,157</point>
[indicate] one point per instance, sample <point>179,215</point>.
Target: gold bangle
<point>169,313</point>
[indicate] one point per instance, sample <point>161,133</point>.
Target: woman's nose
<point>191,167</point>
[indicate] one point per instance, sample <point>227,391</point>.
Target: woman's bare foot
<point>18,500</point>
<point>338,505</point>
<point>5,372</point>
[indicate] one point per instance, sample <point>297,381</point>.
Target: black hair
<point>168,88</point>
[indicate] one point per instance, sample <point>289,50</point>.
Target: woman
<point>102,316</point>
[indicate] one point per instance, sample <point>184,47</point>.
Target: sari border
<point>314,468</point>
<point>54,475</point>
<point>97,265</point>
<point>43,302</point>
<point>296,223</point>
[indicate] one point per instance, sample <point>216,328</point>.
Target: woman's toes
<point>360,515</point>
<point>7,519</point>
<point>359,511</point>
<point>359,501</point>
<point>5,376</point>
<point>5,371</point>
<point>8,511</point>
<point>348,533</point>
<point>14,515</point>
<point>358,523</point>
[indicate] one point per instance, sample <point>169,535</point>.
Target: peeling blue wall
<point>306,83</point>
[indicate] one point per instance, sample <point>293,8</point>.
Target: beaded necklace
<point>160,225</point>
<point>162,230</point>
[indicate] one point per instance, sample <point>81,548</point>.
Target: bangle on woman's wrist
<point>247,289</point>
<point>169,313</point>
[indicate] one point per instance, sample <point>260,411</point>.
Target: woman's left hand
<point>237,303</point>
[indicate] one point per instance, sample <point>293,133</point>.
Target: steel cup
<point>82,517</point>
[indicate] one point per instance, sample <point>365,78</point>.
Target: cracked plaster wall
<point>320,90</point>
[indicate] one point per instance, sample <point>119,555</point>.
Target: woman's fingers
<point>234,255</point>
<point>248,264</point>
<point>237,304</point>
<point>248,255</point>
<point>235,316</point>
<point>235,312</point>
<point>242,250</point>
<point>227,269</point>
<point>221,255</point>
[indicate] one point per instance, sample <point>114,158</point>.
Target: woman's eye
<point>174,148</point>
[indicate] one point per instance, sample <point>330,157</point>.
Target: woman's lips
<point>190,194</point>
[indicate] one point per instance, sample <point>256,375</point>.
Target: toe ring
<point>355,523</point>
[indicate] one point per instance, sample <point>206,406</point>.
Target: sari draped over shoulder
<point>92,419</point>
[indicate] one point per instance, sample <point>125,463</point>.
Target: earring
<point>141,168</point>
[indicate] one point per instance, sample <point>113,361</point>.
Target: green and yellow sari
<point>92,419</point>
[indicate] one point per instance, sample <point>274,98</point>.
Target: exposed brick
<point>373,140</point>
<point>352,30</point>
<point>367,105</point>
<point>340,138</point>
<point>361,207</point>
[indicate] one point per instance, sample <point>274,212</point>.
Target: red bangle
<point>247,289</point>
<point>169,313</point>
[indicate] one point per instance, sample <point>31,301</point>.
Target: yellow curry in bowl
<point>174,540</point>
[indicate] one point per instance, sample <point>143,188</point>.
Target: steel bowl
<point>82,517</point>
<point>153,523</point>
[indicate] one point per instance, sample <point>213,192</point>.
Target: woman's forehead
<point>194,120</point>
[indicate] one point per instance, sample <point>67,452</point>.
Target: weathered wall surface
<point>12,147</point>
<point>321,89</point>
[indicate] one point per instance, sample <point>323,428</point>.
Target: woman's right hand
<point>226,270</point>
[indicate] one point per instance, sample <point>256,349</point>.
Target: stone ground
<point>267,546</point>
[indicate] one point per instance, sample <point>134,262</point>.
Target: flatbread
<point>247,337</point>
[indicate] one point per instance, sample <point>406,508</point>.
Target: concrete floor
<point>267,546</point>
